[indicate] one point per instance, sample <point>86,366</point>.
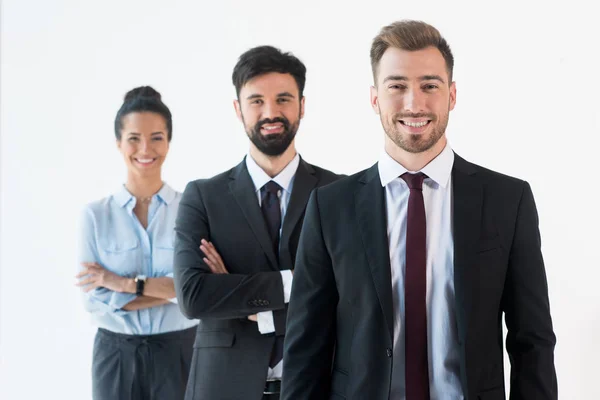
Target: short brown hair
<point>411,36</point>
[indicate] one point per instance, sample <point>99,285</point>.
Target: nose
<point>145,145</point>
<point>271,110</point>
<point>414,100</point>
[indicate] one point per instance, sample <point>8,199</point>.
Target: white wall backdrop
<point>528,105</point>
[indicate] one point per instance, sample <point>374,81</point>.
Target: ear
<point>302,107</point>
<point>238,109</point>
<point>374,100</point>
<point>452,95</point>
<point>118,142</point>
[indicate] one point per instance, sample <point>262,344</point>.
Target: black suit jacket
<point>231,357</point>
<point>340,321</point>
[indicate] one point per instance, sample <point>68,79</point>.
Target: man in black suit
<point>237,234</point>
<point>405,269</point>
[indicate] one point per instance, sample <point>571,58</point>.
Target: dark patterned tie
<point>271,210</point>
<point>415,289</point>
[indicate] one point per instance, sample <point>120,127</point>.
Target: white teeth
<point>270,128</point>
<point>415,124</point>
<point>145,160</point>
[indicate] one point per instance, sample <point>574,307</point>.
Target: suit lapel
<point>243,190</point>
<point>467,200</point>
<point>304,182</point>
<point>372,219</point>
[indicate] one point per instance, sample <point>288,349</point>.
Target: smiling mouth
<point>272,128</point>
<point>145,161</point>
<point>415,124</point>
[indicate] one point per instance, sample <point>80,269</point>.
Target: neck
<point>414,161</point>
<point>273,165</point>
<point>143,186</point>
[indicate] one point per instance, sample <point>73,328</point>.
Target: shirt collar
<point>283,179</point>
<point>122,196</point>
<point>438,169</point>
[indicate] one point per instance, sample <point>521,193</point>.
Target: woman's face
<point>144,142</point>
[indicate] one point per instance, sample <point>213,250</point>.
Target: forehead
<point>272,83</point>
<point>144,122</point>
<point>412,64</point>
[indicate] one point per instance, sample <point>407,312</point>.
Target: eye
<point>157,138</point>
<point>256,101</point>
<point>430,86</point>
<point>283,100</point>
<point>134,139</point>
<point>397,86</point>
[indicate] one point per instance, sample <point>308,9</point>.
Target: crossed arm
<point>157,291</point>
<point>204,286</point>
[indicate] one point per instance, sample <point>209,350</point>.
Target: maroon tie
<point>415,289</point>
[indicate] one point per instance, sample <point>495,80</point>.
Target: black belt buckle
<point>272,386</point>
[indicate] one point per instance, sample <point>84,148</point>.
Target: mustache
<point>265,121</point>
<point>414,115</point>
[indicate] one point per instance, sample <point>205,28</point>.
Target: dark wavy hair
<point>263,60</point>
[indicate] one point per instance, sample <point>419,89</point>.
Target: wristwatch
<point>140,281</point>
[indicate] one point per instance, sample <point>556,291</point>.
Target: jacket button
<point>266,302</point>
<point>388,351</point>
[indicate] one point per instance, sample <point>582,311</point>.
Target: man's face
<point>413,97</point>
<point>270,108</point>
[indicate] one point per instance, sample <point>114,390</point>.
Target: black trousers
<point>141,367</point>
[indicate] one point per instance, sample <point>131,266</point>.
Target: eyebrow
<point>285,94</point>
<point>152,134</point>
<point>421,78</point>
<point>259,96</point>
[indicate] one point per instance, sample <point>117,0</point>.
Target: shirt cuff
<point>287,277</point>
<point>266,324</point>
<point>120,300</point>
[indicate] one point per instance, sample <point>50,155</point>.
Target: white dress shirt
<point>285,179</point>
<point>442,336</point>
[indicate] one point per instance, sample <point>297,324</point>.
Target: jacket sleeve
<point>202,294</point>
<point>530,338</point>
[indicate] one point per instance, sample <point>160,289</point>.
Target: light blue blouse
<point>112,236</point>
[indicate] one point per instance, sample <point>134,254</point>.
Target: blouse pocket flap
<point>115,246</point>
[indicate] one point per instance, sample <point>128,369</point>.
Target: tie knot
<point>272,187</point>
<point>414,181</point>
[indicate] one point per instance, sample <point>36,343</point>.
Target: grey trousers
<point>141,367</point>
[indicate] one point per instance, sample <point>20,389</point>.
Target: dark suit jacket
<point>231,357</point>
<point>342,294</point>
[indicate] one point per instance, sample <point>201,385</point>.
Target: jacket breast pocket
<point>485,245</point>
<point>207,339</point>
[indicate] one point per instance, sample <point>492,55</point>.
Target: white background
<point>528,105</point>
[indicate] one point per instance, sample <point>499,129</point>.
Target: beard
<point>415,143</point>
<point>274,144</point>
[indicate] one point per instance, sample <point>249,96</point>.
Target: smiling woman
<point>144,344</point>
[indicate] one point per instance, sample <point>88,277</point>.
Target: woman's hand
<point>94,276</point>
